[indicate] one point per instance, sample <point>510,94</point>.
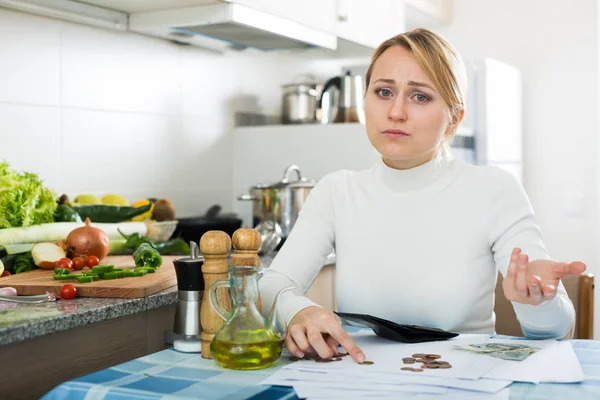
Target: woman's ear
<point>456,120</point>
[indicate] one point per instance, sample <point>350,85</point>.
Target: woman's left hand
<point>533,282</point>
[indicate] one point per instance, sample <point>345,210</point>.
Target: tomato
<point>64,263</point>
<point>5,273</point>
<point>92,261</point>
<point>68,292</point>
<point>78,263</point>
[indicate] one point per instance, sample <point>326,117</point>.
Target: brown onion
<point>86,241</point>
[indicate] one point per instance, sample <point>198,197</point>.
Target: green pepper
<point>113,275</point>
<point>23,262</point>
<point>109,213</point>
<point>169,247</point>
<point>62,277</point>
<point>132,273</point>
<point>85,279</point>
<point>147,256</point>
<point>101,269</point>
<point>64,213</point>
<point>62,271</point>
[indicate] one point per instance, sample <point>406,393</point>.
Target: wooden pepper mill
<point>215,247</point>
<point>246,242</point>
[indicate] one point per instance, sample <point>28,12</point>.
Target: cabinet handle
<point>342,10</point>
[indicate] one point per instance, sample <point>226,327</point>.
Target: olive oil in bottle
<point>249,350</point>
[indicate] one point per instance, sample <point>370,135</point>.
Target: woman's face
<point>406,118</point>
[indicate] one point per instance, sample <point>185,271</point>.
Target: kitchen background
<point>98,111</point>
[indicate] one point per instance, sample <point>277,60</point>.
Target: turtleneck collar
<point>428,175</point>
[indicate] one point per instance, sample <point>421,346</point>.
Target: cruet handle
<point>214,299</point>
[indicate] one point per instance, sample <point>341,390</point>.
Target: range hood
<point>224,25</point>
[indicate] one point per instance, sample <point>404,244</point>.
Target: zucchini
<point>109,213</point>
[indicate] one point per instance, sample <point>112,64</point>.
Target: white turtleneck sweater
<point>418,246</point>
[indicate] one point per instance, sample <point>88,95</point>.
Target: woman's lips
<point>395,133</point>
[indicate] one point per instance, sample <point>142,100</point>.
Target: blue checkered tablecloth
<point>170,375</point>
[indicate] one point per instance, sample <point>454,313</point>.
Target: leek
<point>60,230</point>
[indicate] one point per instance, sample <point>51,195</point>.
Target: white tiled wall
<point>100,111</point>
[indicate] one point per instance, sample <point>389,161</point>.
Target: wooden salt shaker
<point>215,247</point>
<point>246,242</point>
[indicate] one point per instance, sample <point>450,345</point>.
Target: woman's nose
<point>397,111</point>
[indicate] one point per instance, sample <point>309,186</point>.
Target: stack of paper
<point>478,368</point>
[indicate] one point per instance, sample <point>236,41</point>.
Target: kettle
<point>350,104</point>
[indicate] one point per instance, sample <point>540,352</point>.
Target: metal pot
<point>281,201</point>
<point>300,102</point>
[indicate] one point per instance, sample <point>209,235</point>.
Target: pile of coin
<point>428,361</point>
<point>316,358</point>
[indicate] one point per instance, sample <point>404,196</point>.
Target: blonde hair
<point>441,63</point>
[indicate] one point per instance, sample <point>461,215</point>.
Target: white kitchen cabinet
<point>369,22</point>
<point>428,12</point>
<point>317,14</point>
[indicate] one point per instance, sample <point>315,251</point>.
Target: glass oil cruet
<point>247,340</point>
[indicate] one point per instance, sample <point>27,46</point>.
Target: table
<point>171,375</point>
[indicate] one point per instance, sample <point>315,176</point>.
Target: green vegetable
<point>60,277</point>
<point>62,271</point>
<point>23,263</point>
<point>24,201</point>
<point>147,256</point>
<point>109,213</point>
<point>132,273</point>
<point>64,213</point>
<point>18,248</point>
<point>84,279</point>
<point>173,246</point>
<point>60,230</point>
<point>113,275</point>
<point>101,269</point>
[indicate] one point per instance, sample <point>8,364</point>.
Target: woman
<point>419,238</point>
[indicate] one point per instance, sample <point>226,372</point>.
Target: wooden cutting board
<point>40,281</point>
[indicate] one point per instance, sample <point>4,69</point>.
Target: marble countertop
<point>19,322</point>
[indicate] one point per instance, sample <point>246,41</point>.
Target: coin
<point>323,360</point>
<point>417,370</point>
<point>294,358</point>
<point>408,359</point>
<point>407,369</point>
<point>432,366</point>
<point>433,356</point>
<point>409,362</point>
<point>367,363</point>
<point>444,366</point>
<point>442,362</point>
<point>336,359</point>
<point>419,355</point>
<point>341,355</point>
<point>428,361</point>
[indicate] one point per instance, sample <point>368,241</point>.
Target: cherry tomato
<point>64,263</point>
<point>78,263</point>
<point>5,273</point>
<point>68,292</point>
<point>92,261</point>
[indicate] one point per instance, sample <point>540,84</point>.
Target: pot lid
<point>285,182</point>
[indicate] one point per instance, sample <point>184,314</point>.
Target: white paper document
<point>555,362</point>
<point>286,377</point>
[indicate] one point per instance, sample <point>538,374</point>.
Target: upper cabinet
<point>334,25</point>
<point>369,22</point>
<point>428,12</point>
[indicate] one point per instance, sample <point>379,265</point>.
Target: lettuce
<point>24,201</point>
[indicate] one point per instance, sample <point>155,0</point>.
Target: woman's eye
<point>421,98</point>
<point>384,92</point>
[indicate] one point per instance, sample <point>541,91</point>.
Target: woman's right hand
<point>314,329</point>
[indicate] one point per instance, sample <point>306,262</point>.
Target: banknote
<point>505,351</point>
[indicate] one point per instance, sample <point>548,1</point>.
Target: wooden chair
<point>581,292</point>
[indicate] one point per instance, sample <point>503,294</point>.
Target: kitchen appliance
<point>281,201</point>
<point>190,285</point>
<point>349,99</point>
<point>299,103</point>
<point>191,229</point>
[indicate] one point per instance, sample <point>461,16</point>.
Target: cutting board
<point>40,280</point>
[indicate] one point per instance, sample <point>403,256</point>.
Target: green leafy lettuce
<point>24,201</point>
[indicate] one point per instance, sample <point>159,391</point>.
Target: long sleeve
<point>513,224</point>
<point>303,254</point>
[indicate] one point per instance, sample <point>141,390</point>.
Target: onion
<point>87,241</point>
